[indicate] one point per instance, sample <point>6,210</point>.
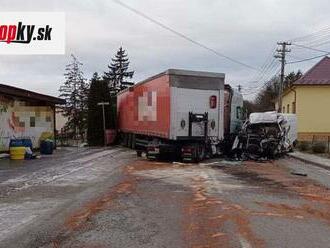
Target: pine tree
<point>75,91</point>
<point>99,92</point>
<point>118,72</point>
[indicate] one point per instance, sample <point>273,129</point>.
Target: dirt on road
<point>215,205</point>
<point>112,199</point>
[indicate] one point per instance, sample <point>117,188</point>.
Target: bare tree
<point>75,91</point>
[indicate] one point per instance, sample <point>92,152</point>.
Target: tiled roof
<point>318,74</point>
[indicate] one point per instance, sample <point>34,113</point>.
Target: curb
<point>326,167</point>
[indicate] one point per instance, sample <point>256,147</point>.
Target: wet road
<point>109,198</point>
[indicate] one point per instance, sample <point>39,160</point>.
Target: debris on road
<point>299,174</point>
<point>138,203</point>
<point>4,155</point>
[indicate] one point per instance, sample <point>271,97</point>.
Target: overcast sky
<point>245,30</point>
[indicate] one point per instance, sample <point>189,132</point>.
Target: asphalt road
<point>110,198</point>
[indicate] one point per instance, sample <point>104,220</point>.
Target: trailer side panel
<point>145,108</point>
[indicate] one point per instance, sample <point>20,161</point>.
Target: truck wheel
<point>129,140</point>
<point>200,153</point>
<point>254,152</point>
<point>123,139</point>
<point>133,141</point>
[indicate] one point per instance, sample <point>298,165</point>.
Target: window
<point>288,108</point>
<point>32,121</point>
<point>213,102</point>
<point>283,109</point>
<point>293,107</point>
<point>238,112</point>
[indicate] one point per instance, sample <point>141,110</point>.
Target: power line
<point>264,78</point>
<point>303,60</point>
<point>264,67</point>
<point>265,84</point>
<point>256,84</point>
<point>322,43</point>
<point>295,56</point>
<point>273,72</point>
<point>316,42</point>
<point>259,84</point>
<point>183,35</point>
<point>314,38</point>
<point>312,35</point>
<point>310,48</point>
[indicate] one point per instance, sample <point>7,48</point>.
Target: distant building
<point>309,98</point>
<point>61,120</point>
<point>26,114</point>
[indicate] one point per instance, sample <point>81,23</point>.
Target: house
<point>26,114</point>
<point>309,98</point>
<point>61,120</point>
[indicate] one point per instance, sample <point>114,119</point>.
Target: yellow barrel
<point>17,153</point>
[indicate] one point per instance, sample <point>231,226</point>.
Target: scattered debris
<point>4,155</point>
<point>299,174</point>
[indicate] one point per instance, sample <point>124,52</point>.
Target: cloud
<point>244,30</point>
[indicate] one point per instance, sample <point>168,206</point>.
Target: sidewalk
<point>312,159</point>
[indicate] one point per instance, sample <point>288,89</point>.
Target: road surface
<point>110,198</point>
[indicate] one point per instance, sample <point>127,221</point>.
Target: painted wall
<point>312,109</point>
<point>60,120</point>
<point>19,120</point>
<point>288,100</point>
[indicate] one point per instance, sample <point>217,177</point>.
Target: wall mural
<point>18,120</point>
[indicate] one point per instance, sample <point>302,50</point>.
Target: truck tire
<point>139,153</point>
<point>200,156</point>
<point>129,140</point>
<point>133,141</point>
<point>254,152</point>
<point>124,139</point>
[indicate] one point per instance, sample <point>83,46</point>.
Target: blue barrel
<point>16,143</point>
<point>46,147</point>
<point>27,143</point>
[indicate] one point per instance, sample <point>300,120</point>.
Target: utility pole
<point>239,87</point>
<point>104,130</point>
<point>281,53</point>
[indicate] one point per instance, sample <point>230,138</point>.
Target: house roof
<point>319,74</point>
<point>29,95</point>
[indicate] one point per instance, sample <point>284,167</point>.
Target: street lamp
<point>103,104</point>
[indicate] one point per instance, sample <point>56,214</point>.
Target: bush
<point>319,147</point>
<point>304,145</point>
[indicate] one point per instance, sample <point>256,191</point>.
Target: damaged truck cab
<point>266,135</point>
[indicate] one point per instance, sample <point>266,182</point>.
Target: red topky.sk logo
<point>21,33</point>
